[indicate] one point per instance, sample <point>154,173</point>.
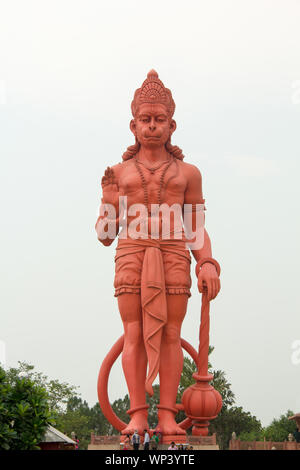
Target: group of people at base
<point>135,441</point>
<point>149,443</point>
<point>173,446</point>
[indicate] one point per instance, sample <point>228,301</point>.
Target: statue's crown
<point>153,91</point>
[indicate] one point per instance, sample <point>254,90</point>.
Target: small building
<point>56,440</point>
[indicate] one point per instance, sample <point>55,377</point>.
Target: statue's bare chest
<point>167,183</point>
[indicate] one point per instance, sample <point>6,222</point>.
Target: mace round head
<point>201,404</point>
<point>153,91</point>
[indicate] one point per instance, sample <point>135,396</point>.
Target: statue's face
<point>152,126</point>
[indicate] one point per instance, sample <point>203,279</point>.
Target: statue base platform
<point>116,442</point>
<point>177,438</point>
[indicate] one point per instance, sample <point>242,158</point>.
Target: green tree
<point>75,421</point>
<point>234,419</point>
<point>58,393</point>
<point>24,412</point>
<point>254,435</point>
<point>280,428</point>
<point>98,422</point>
<point>82,420</point>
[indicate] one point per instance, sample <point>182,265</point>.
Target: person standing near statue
<point>152,272</point>
<point>146,440</point>
<point>135,440</point>
<point>126,442</point>
<point>154,441</point>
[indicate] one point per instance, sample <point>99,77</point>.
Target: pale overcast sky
<point>68,71</point>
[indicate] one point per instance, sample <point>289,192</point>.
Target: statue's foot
<point>167,424</point>
<point>137,423</point>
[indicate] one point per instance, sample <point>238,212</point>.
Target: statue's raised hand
<point>110,188</point>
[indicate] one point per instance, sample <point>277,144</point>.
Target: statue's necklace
<point>152,171</point>
<point>153,168</point>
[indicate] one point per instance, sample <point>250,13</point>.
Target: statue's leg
<point>134,360</point>
<point>171,363</point>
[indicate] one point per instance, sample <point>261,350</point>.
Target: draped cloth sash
<point>153,293</point>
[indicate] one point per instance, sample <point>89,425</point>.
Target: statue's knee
<point>171,335</point>
<point>133,334</point>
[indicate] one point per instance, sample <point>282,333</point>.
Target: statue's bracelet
<point>208,260</point>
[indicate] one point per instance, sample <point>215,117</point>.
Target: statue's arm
<point>193,195</point>
<point>107,225</point>
<point>208,277</point>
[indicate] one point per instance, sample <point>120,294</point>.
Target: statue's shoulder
<point>120,167</point>
<point>190,170</point>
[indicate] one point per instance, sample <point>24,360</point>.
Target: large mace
<point>201,402</point>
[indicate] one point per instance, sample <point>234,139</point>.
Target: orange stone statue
<point>144,200</point>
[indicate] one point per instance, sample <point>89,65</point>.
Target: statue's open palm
<point>110,188</point>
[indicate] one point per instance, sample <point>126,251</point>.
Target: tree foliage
<point>58,393</point>
<point>24,412</point>
<point>280,428</point>
<point>234,419</point>
<point>75,421</point>
<point>82,420</point>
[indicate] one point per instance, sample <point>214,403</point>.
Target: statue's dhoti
<point>152,268</point>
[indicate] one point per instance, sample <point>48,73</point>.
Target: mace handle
<point>204,336</point>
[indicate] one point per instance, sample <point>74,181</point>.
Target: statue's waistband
<point>129,245</point>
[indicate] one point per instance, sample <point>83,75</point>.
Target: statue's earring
<point>172,126</point>
<point>132,127</point>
